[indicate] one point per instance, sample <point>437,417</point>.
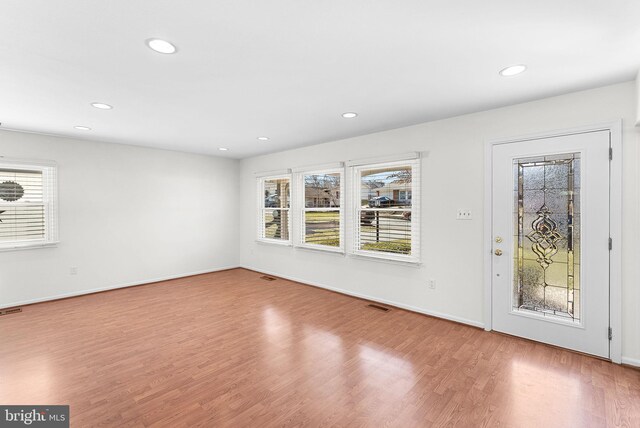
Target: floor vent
<point>378,307</point>
<point>268,278</point>
<point>10,311</point>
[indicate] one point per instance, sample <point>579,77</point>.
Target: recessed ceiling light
<point>513,70</point>
<point>161,46</point>
<point>82,128</point>
<point>349,115</point>
<point>102,106</point>
<point>222,149</point>
<point>263,138</point>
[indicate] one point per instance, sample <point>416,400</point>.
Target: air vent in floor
<point>10,311</point>
<point>378,307</point>
<point>268,278</point>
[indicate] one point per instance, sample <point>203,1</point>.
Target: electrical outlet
<point>73,270</point>
<point>431,284</point>
<point>463,214</point>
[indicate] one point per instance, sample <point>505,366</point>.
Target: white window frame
<point>356,168</point>
<point>261,208</point>
<point>49,172</point>
<point>299,202</point>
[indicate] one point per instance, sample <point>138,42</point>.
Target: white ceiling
<point>287,69</point>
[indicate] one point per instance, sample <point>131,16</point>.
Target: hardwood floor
<point>230,349</point>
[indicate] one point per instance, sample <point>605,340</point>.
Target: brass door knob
<point>498,252</point>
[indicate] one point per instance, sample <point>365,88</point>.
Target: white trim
<point>384,259</point>
<point>390,257</point>
<point>114,287</point>
<point>320,209</point>
<point>28,163</point>
<point>273,174</point>
<point>615,275</point>
<point>454,318</point>
<point>603,126</point>
<point>27,245</point>
<point>320,168</point>
<point>321,248</point>
<point>280,242</point>
<point>615,232</point>
<point>384,159</point>
<point>631,361</point>
<point>487,235</point>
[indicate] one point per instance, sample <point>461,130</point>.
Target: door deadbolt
<point>498,239</point>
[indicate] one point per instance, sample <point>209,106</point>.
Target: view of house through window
<point>321,210</point>
<point>385,209</point>
<point>275,208</point>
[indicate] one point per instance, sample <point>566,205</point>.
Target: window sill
<point>28,246</point>
<point>274,242</point>
<point>386,258</point>
<point>321,248</point>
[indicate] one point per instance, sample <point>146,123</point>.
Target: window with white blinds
<point>274,195</point>
<point>27,205</point>
<point>387,210</point>
<point>321,209</point>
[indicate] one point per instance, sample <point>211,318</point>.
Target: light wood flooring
<point>230,349</point>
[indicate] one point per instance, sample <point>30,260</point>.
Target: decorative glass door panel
<point>547,237</point>
<point>549,240</point>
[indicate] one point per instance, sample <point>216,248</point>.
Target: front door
<point>550,232</point>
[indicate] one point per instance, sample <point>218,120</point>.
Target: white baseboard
<point>373,299</point>
<point>631,361</point>
<point>112,287</point>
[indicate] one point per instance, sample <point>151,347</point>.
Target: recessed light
<point>102,106</point>
<point>82,128</point>
<point>513,70</point>
<point>349,115</point>
<point>222,149</point>
<point>161,46</point>
<point>263,138</point>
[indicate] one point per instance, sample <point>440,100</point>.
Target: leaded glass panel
<point>547,236</point>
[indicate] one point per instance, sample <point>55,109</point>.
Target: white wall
<point>127,215</point>
<point>452,178</point>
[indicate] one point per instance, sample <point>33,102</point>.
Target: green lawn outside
<point>318,216</point>
<point>323,228</point>
<point>399,246</point>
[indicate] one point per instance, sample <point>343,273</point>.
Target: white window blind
<point>274,196</point>
<point>386,201</point>
<point>27,205</point>
<point>320,201</point>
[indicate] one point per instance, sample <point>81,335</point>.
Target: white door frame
<point>615,209</point>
